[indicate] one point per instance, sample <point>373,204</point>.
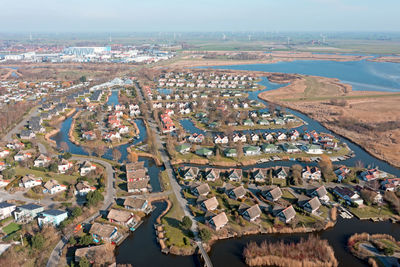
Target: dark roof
<point>5,205</point>
<point>30,207</point>
<point>54,212</point>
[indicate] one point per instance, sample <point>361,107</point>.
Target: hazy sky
<point>199,15</point>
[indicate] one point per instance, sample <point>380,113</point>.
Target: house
<point>341,173</point>
<point>230,152</point>
<point>239,137</point>
<point>4,153</point>
<point>218,139</point>
<point>103,232</point>
<point>348,195</point>
<point>272,193</point>
<point>269,148</point>
<point>2,166</point>
<point>314,149</point>
<point>209,204</point>
<point>258,174</point>
<point>6,209</point>
<point>136,204</point>
<point>196,138</point>
<point>290,148</point>
<point>53,187</point>
<point>27,212</point>
<point>252,150</point>
<point>122,217</point>
<point>248,122</point>
<point>263,122</point>
<point>390,184</point>
<point>280,172</point>
<point>201,190</point>
<point>64,166</point>
<point>287,214</point>
<point>189,173</point>
<point>312,205</point>
<point>237,193</point>
<point>235,175</point>
<point>205,152</point>
<point>268,136</point>
<point>86,168</point>
<point>54,217</point>
<point>123,129</point>
<point>82,188</point>
<point>217,222</point>
<point>311,173</point>
<point>89,135</point>
<point>27,134</point>
<point>372,174</point>
<point>321,193</point>
<point>250,213</point>
<point>211,174</point>
<point>281,136</point>
<point>138,186</point>
<point>29,181</point>
<point>42,161</point>
<point>22,156</point>
<point>183,148</point>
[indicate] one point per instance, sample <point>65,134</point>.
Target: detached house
<point>201,190</point>
<point>83,188</point>
<point>42,161</point>
<point>209,204</point>
<point>189,173</point>
<point>86,168</point>
<point>373,174</point>
<point>272,193</point>
<point>312,205</point>
<point>122,217</point>
<point>237,193</point>
<point>250,213</point>
<point>64,166</point>
<point>217,222</point>
<point>348,195</point>
<point>287,214</point>
<point>211,174</point>
<point>321,193</point>
<point>53,187</point>
<point>136,204</point>
<point>54,217</point>
<point>311,173</point>
<point>235,175</point>
<point>103,232</point>
<point>29,181</point>
<point>6,210</point>
<point>258,174</point>
<point>28,212</point>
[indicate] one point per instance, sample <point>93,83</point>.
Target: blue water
<point>113,98</point>
<point>362,75</point>
<point>189,127</point>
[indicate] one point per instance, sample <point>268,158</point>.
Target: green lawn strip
<point>11,228</point>
<point>62,178</point>
<point>367,212</point>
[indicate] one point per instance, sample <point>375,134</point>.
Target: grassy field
<point>11,228</point>
<point>367,212</point>
<point>62,178</point>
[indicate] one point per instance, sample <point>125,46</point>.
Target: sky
<point>198,15</point>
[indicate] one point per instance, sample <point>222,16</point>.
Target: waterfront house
<point>311,173</point>
<point>348,195</point>
<point>230,152</point>
<point>290,148</point>
<point>209,204</point>
<point>196,138</point>
<point>239,137</point>
<point>280,172</point>
<point>248,122</point>
<point>237,193</point>
<point>189,173</point>
<point>27,134</point>
<point>313,149</point>
<point>263,122</point>
<point>221,139</point>
<point>258,174</point>
<point>287,214</point>
<point>269,148</point>
<point>136,204</point>
<point>217,222</point>
<point>211,174</point>
<point>54,217</point>
<point>26,213</point>
<point>103,232</point>
<point>234,175</point>
<point>390,184</point>
<point>250,213</point>
<point>6,209</point>
<point>268,137</point>
<point>122,217</point>
<point>341,173</point>
<point>252,150</point>
<point>183,148</point>
<point>373,174</point>
<point>204,152</point>
<point>312,205</point>
<point>281,136</point>
<point>89,135</point>
<point>138,186</point>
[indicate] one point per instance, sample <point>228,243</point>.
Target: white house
<point>64,166</point>
<point>6,210</point>
<point>29,181</point>
<point>42,161</point>
<point>86,168</point>
<point>53,187</point>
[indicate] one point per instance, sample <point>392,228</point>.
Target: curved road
<point>108,200</point>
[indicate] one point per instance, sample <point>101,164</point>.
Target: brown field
<point>370,119</point>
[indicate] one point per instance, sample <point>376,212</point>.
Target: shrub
<point>186,222</point>
<point>205,234</point>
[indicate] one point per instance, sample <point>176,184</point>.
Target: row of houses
<point>137,178</point>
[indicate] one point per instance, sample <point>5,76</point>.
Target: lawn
<point>367,212</point>
<point>11,228</point>
<point>62,178</point>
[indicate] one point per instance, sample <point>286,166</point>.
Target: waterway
<point>113,98</point>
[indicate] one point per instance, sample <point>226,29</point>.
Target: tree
<point>133,157</point>
<point>53,167</point>
<point>67,155</point>
<point>38,241</point>
<point>82,79</point>
<point>116,154</point>
<point>205,234</point>
<point>239,150</point>
<point>72,241</point>
<point>94,197</point>
<point>186,222</point>
<point>99,150</point>
<point>327,168</point>
<point>76,212</point>
<point>83,262</point>
<point>8,174</point>
<point>85,240</point>
<point>296,178</point>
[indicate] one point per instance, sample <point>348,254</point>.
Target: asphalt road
<point>8,137</point>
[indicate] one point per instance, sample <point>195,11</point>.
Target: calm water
<point>113,98</point>
<point>164,91</point>
<point>142,249</point>
<point>362,75</point>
